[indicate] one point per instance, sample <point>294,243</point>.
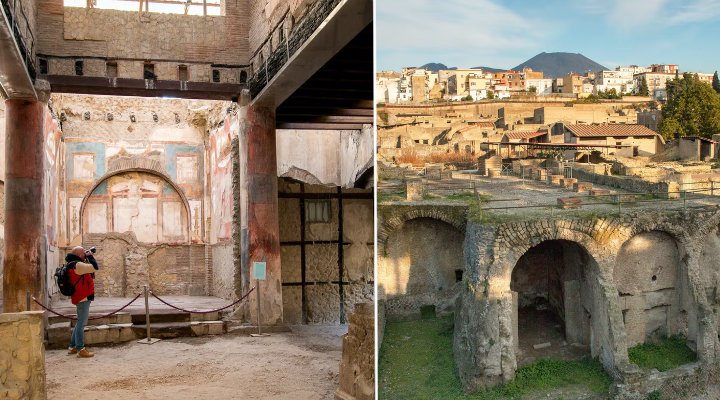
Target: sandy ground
<point>300,365</point>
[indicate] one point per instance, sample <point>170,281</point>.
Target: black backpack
<point>62,279</point>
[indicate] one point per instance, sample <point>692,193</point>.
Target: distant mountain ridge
<point>435,67</point>
<point>553,65</point>
<point>556,65</point>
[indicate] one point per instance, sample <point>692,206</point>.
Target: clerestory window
<point>186,7</point>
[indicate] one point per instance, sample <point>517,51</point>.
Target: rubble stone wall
<point>643,275</point>
<point>22,356</point>
<point>357,367</point>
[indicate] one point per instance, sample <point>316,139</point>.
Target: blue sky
<point>503,34</point>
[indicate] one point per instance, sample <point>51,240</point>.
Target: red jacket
<point>81,277</point>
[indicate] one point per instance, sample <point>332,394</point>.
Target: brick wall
<point>68,34</point>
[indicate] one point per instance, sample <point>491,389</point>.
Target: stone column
<point>263,239</point>
<point>24,247</point>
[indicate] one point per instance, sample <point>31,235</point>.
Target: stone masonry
<point>22,356</point>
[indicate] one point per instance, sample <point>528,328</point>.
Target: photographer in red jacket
<point>81,267</point>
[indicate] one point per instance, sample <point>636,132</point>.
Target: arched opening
<point>422,267</point>
<point>141,202</point>
<point>650,285</point>
<point>553,303</point>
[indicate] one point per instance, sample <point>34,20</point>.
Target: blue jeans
<point>77,339</point>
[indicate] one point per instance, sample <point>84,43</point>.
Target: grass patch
<point>416,362</point>
<point>670,353</point>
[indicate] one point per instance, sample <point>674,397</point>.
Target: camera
<point>93,250</point>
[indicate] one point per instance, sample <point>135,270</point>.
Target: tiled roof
<point>482,124</point>
<point>698,138</point>
<point>525,134</point>
<point>610,130</point>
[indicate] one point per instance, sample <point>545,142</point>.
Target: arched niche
<point>141,200</point>
<point>649,279</point>
<point>422,265</point>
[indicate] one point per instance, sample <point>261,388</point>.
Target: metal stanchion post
<point>259,272</point>
<point>28,300</point>
<point>257,286</point>
<point>148,340</point>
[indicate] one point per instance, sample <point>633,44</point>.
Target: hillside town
<point>418,85</point>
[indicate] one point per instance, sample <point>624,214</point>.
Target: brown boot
<point>84,353</point>
<point>72,350</point>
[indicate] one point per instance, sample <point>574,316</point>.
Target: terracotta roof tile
<point>525,134</point>
<point>610,130</point>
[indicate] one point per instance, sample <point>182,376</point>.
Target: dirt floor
<point>300,365</point>
<point>541,326</point>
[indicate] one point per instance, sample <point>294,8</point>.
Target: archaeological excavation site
<point>521,239</point>
<point>218,158</point>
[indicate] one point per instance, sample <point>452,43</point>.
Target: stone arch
<point>148,166</point>
<point>394,217</point>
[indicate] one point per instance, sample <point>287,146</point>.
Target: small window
<point>78,68</point>
<point>216,75</point>
<point>317,210</point>
<point>425,141</point>
<point>43,66</point>
<point>149,71</point>
<point>183,73</point>
<point>458,275</point>
<point>111,69</point>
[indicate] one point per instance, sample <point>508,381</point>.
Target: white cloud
<point>699,10</point>
<point>466,30</point>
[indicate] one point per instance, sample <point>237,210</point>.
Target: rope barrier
<point>203,312</point>
<point>89,319</point>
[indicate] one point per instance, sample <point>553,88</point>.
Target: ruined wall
<point>54,197</point>
<point>271,21</point>
<point>338,158</point>
<point>421,265</point>
<point>107,134</point>
<point>220,208</point>
<point>647,276</point>
<point>203,43</point>
<point>357,367</point>
<point>22,356</point>
<point>326,244</point>
<point>126,265</point>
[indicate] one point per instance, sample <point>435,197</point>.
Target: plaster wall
<point>335,158</point>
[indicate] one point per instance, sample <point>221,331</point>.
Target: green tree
<point>532,89</point>
<point>490,95</point>
<point>692,109</point>
<point>716,83</point>
<point>643,87</point>
<point>467,98</point>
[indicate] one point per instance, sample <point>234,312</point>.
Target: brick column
<point>262,212</point>
<point>24,252</point>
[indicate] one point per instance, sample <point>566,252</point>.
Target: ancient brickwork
<point>22,356</point>
<point>357,368</point>
<point>69,34</point>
